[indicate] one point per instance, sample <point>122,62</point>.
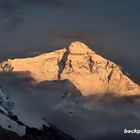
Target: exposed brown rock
<point>8,135</point>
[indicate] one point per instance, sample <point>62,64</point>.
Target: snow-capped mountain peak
<point>88,71</point>
<point>78,47</point>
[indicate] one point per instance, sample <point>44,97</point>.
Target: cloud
<point>60,37</point>
<point>12,11</point>
<point>115,2</point>
<point>60,3</point>
<point>11,15</point>
<point>49,2</point>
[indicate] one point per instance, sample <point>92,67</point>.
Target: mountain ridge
<point>88,71</point>
<point>12,128</point>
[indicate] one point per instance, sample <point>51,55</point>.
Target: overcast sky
<point>109,27</point>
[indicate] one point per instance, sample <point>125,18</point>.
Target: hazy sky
<point>109,27</point>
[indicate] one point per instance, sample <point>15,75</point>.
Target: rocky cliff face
<point>47,133</point>
<point>88,71</point>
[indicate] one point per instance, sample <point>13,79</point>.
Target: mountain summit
<point>79,48</point>
<point>88,71</point>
